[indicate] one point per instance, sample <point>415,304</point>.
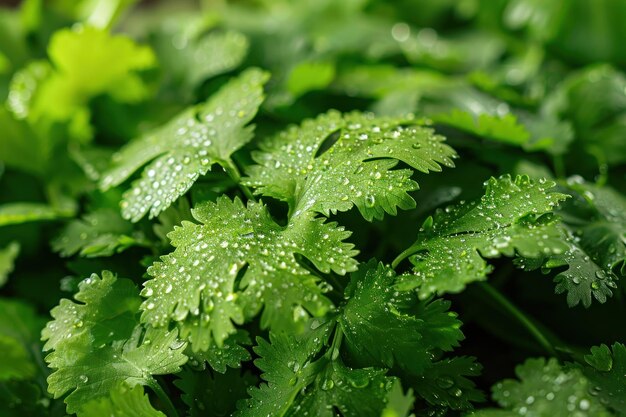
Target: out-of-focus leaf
<point>15,213</point>
<point>8,255</point>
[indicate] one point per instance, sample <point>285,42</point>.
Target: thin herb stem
<point>405,254</point>
<point>165,399</point>
<point>526,321</point>
<point>333,352</point>
<point>235,175</point>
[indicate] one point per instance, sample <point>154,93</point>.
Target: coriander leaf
<point>196,285</point>
<point>122,401</point>
<point>399,404</point>
<point>583,278</point>
<point>23,86</point>
<point>309,76</point>
<point>595,232</point>
<point>505,128</point>
<point>213,395</point>
<point>214,54</point>
<point>287,367</point>
<point>85,63</point>
<point>16,213</point>
<point>89,62</point>
<point>15,362</point>
<point>546,388</point>
<point>186,147</point>
<point>189,57</point>
<point>607,375</point>
<point>88,371</point>
<point>508,220</point>
<point>19,139</point>
<point>19,337</point>
<point>446,384</point>
<point>344,391</point>
<point>377,311</point>
<point>336,161</point>
<point>297,384</point>
<point>106,313</point>
<point>8,255</point>
<point>231,354</point>
<point>102,232</point>
<point>593,100</point>
<point>597,215</point>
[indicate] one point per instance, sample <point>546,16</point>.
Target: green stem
<point>234,174</point>
<point>165,399</point>
<point>405,254</point>
<point>559,166</point>
<point>333,352</point>
<point>520,316</point>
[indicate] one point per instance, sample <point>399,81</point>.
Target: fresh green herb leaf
<point>185,148</point>
<point>351,155</point>
<point>7,260</point>
<point>122,401</point>
<point>510,219</point>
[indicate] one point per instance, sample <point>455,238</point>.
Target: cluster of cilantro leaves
<point>325,208</point>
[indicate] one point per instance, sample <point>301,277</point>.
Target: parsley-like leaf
<point>8,255</point>
<point>105,313</point>
<point>190,56</point>
<point>186,147</point>
<point>596,234</point>
<point>508,220</point>
<point>299,167</point>
<point>197,286</point>
<point>546,388</point>
<point>85,62</point>
<point>213,395</point>
<point>376,310</point>
<point>446,383</point>
<point>102,232</point>
<point>230,355</point>
<point>504,129</point>
<point>399,404</point>
<point>16,213</point>
<point>607,375</point>
<point>122,401</point>
<point>297,384</point>
<point>99,344</point>
<point>19,337</point>
<point>89,372</point>
<point>409,333</point>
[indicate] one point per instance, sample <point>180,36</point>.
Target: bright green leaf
<point>8,255</point>
<point>100,233</point>
<point>16,213</point>
<point>178,153</point>
<point>607,375</point>
<point>547,388</point>
<point>88,372</point>
<point>406,332</point>
<point>122,401</point>
<point>196,284</point>
<point>508,220</point>
<point>336,161</point>
<point>105,313</point>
